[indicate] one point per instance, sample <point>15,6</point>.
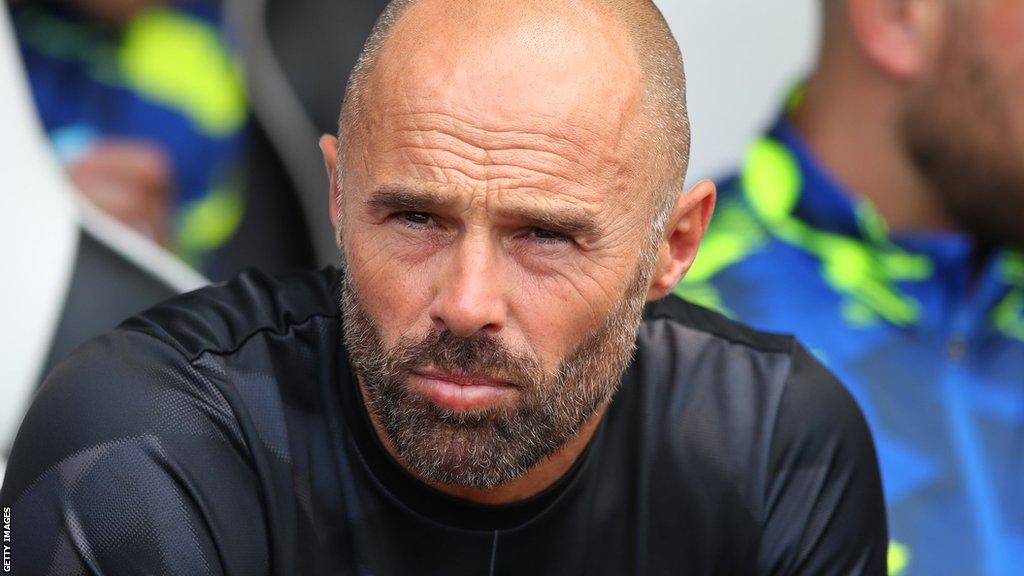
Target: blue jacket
<point>931,347</point>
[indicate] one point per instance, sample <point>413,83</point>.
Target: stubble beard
<point>487,448</point>
<point>957,130</point>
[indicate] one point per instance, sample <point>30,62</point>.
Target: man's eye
<point>548,236</point>
<point>414,218</point>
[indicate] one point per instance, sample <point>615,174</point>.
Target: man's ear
<point>329,148</point>
<point>899,36</point>
<point>683,232</point>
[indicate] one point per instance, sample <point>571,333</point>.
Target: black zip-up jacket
<point>222,433</point>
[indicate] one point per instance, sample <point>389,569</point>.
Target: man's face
<point>964,125</point>
<point>497,242</point>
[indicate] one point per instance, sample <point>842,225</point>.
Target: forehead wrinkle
<point>499,162</point>
<point>506,176</point>
<point>482,142</point>
<point>500,154</point>
<point>557,136</point>
<point>633,166</point>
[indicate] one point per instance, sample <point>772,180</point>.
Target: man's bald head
<point>640,27</point>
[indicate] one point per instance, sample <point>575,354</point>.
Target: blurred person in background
<point>146,107</point>
<point>881,220</point>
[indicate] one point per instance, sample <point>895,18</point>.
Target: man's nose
<point>470,296</point>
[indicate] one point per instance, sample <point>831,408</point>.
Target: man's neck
<point>537,479</point>
<point>851,125</point>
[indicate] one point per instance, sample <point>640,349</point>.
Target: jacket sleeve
<point>131,462</point>
<point>824,510</point>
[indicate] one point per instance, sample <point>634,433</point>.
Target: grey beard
<point>487,448</point>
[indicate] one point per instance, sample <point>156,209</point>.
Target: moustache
<point>477,355</point>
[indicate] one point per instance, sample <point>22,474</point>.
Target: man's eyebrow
<point>402,199</point>
<point>571,221</point>
<point>564,220</point>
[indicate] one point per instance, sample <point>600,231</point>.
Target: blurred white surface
<point>38,240</point>
<point>741,56</point>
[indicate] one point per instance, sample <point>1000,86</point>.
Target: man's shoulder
<point>692,360</point>
<point>221,318</point>
<point>708,324</point>
<point>218,351</point>
<point>183,439</point>
<point>186,374</point>
<point>739,408</point>
<point>701,347</point>
<point>701,360</point>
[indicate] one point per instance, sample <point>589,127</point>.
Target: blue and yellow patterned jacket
<point>932,348</point>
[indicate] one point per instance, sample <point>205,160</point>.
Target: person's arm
<point>132,462</point>
<point>824,510</point>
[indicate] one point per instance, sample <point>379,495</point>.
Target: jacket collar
<point>800,203</point>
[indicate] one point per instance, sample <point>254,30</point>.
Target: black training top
<point>223,433</point>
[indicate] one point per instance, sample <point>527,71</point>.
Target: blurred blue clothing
<point>167,77</point>
<point>929,340</point>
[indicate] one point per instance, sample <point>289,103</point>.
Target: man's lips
<point>462,379</point>
<point>456,391</point>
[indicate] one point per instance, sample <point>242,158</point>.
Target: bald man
<point>882,219</point>
<point>480,388</point>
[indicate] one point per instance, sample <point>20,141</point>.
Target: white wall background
<point>741,57</point>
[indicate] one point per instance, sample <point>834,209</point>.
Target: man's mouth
<point>462,391</point>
